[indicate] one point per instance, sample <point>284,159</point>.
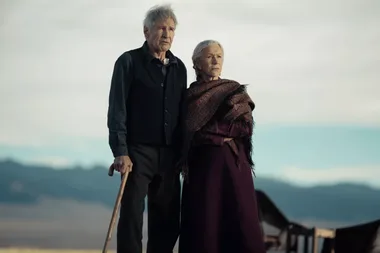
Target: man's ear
<point>146,32</point>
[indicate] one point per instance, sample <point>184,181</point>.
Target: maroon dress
<point>219,209</point>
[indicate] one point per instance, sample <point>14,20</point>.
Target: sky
<point>312,66</point>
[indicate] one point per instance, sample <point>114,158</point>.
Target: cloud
<point>313,176</point>
<point>54,161</point>
<point>307,62</point>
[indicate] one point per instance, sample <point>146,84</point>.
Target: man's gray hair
<point>158,13</point>
<point>201,46</point>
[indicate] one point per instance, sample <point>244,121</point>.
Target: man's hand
<point>123,164</point>
<point>227,139</point>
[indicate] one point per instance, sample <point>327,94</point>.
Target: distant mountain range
<point>26,184</point>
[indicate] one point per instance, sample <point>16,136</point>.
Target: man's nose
<point>165,33</point>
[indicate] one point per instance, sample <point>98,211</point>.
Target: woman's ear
<point>196,67</point>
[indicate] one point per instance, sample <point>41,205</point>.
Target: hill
<point>26,184</point>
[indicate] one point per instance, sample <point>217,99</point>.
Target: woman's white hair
<point>158,13</point>
<point>197,53</point>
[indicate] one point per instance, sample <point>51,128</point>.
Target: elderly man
<point>144,115</point>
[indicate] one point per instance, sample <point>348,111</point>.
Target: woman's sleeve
<point>240,129</point>
<point>230,129</point>
<point>211,139</point>
<point>211,134</point>
<point>216,132</point>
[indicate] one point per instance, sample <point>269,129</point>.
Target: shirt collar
<point>149,57</point>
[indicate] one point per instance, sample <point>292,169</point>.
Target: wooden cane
<point>116,207</point>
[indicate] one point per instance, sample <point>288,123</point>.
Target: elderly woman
<point>219,209</point>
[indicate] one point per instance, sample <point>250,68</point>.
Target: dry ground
<point>26,250</point>
<point>21,250</point>
<point>59,225</point>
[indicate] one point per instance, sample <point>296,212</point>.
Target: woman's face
<point>211,62</point>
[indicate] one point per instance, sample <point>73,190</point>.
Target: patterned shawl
<point>205,98</point>
<point>203,101</point>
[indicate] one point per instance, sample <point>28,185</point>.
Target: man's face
<point>160,36</point>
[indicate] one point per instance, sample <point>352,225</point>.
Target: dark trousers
<point>153,174</point>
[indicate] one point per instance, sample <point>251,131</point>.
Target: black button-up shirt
<point>145,100</point>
